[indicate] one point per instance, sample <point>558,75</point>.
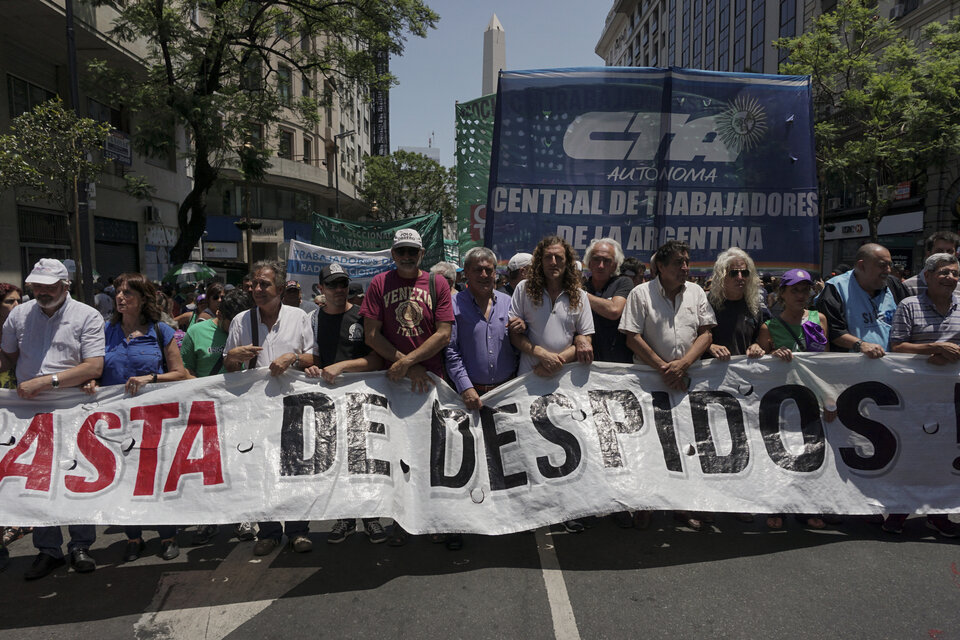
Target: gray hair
<point>751,296</point>
<point>935,261</point>
<point>448,270</point>
<point>617,253</point>
<point>279,273</point>
<point>477,254</point>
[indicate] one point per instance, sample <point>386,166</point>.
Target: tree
<point>48,153</point>
<point>885,109</point>
<point>223,70</point>
<point>406,184</point>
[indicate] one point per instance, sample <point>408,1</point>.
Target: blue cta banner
<point>642,155</point>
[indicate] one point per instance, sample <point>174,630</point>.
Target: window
<point>24,95</point>
<point>757,17</point>
<point>307,149</point>
<point>788,24</point>
<point>697,34</point>
<point>285,148</point>
<point>672,33</point>
<point>723,39</point>
<point>306,86</point>
<point>251,80</point>
<point>102,113</point>
<point>708,36</point>
<point>739,35</point>
<point>284,85</point>
<point>283,28</point>
<point>685,34</point>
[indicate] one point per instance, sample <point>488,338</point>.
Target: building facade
<point>309,161</point>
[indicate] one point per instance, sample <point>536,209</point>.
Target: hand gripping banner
<point>826,433</point>
<point>716,160</point>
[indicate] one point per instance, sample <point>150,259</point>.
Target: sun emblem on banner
<point>742,124</point>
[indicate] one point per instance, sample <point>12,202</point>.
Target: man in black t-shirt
<point>607,292</point>
<point>341,349</point>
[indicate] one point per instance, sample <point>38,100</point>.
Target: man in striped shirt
<point>929,324</point>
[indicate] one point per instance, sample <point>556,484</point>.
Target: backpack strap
<point>163,351</point>
<point>254,317</point>
<point>433,297</point>
<point>801,344</point>
<point>217,366</point>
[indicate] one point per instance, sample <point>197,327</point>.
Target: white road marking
<point>187,605</point>
<point>564,622</point>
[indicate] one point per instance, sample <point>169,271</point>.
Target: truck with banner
<point>645,155</point>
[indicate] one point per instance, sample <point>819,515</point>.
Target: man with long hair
<point>555,308</point>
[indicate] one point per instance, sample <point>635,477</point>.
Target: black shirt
<point>609,345</point>
<point>340,336</point>
<point>736,328</point>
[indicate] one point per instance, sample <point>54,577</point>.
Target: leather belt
<point>484,388</point>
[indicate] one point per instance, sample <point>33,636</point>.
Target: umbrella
<point>189,272</point>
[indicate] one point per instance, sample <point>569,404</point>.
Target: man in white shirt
<point>667,321</point>
<point>54,341</point>
<point>277,336</point>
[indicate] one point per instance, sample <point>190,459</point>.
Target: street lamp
<point>336,162</point>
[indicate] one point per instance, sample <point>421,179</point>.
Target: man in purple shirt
<point>479,356</point>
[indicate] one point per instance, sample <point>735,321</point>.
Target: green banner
<point>474,135</point>
<point>375,236</point>
<point>451,251</point>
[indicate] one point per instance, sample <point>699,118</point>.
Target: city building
<point>310,163</point>
<point>126,234</point>
<point>737,35</point>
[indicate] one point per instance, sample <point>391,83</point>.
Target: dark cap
<point>331,272</point>
<point>355,290</point>
<point>292,284</point>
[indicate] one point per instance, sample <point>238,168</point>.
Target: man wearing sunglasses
<point>341,349</point>
<point>408,318</point>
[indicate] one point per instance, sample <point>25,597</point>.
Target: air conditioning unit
<point>897,11</point>
<point>833,204</point>
<point>151,213</point>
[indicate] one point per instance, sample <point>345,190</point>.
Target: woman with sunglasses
<point>797,328</point>
<point>207,306</point>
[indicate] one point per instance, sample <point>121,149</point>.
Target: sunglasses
<point>744,273</point>
<point>337,284</point>
<point>407,251</point>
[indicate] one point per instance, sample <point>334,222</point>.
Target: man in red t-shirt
<point>405,324</point>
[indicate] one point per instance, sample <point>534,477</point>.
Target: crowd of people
<point>463,326</point>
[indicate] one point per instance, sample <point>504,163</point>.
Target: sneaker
<point>245,531</point>
<point>204,534</point>
<point>301,544</point>
<point>894,523</point>
<point>942,525</point>
<point>342,529</point>
<point>573,526</point>
<point>375,531</point>
<point>265,547</point>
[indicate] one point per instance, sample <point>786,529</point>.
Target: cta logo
<point>478,221</point>
<point>641,136</point>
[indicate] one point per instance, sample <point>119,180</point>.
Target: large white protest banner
<point>304,262</point>
<point>749,436</point>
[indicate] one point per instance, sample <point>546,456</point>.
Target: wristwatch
<point>54,381</point>
<point>296,361</point>
<point>858,345</point>
<point>154,379</point>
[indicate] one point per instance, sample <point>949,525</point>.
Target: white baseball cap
<point>48,271</point>
<point>519,261</point>
<point>407,238</point>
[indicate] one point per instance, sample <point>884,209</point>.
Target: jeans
<point>49,540</point>
<point>166,532</point>
<point>291,528</point>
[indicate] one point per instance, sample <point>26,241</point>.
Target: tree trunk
<point>192,215</point>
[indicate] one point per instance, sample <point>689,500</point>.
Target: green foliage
<point>406,184</point>
<point>214,68</point>
<point>886,108</point>
<point>47,150</point>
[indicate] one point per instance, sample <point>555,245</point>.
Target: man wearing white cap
<point>53,341</point>
<point>518,268</point>
<point>408,320</point>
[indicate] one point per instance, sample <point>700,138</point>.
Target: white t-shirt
<point>670,328</point>
<point>290,334</point>
<point>550,325</point>
<point>52,344</point>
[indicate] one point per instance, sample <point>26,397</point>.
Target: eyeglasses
<point>743,273</point>
<point>407,251</point>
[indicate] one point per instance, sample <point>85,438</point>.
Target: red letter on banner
<point>97,453</point>
<point>153,417</point>
<point>39,471</point>
<point>202,420</point>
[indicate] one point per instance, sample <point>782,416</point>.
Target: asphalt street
<point>736,581</point>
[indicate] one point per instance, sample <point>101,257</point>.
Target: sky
<point>435,72</point>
